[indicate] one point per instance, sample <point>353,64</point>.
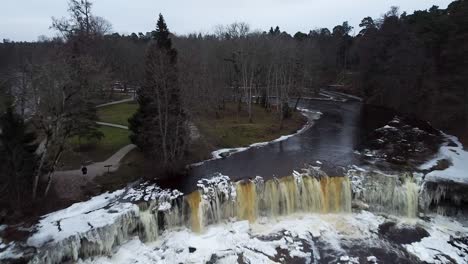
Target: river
<point>306,199</point>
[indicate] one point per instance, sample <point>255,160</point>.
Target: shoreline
<point>226,152</point>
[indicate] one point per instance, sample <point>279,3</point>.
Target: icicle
<point>387,193</point>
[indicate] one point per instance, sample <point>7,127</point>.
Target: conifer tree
<point>17,160</point>
<point>159,126</point>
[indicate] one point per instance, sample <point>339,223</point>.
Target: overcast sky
<point>25,20</point>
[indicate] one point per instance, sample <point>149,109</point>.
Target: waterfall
<point>271,198</point>
<point>149,210</point>
<point>194,201</point>
<point>149,222</point>
<point>395,194</point>
<point>246,201</point>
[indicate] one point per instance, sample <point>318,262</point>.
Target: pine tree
<point>17,160</point>
<point>159,126</point>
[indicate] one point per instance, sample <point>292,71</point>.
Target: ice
<point>75,219</point>
<point>256,243</point>
<point>440,243</point>
<point>458,171</point>
<point>9,251</point>
<point>217,184</point>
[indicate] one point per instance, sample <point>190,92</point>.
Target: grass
<point>233,129</point>
<point>108,97</point>
<point>118,113</point>
<point>228,129</point>
<point>84,151</point>
<point>131,169</point>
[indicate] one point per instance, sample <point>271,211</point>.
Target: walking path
<point>112,125</point>
<point>116,102</point>
<point>68,184</point>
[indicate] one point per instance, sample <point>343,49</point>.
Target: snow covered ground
<point>308,238</point>
<point>457,156</point>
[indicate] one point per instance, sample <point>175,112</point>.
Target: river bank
<point>108,224</point>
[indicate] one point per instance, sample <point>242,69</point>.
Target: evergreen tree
<point>17,161</point>
<point>159,126</point>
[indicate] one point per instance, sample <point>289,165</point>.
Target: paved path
<point>112,125</point>
<point>116,102</point>
<point>68,184</point>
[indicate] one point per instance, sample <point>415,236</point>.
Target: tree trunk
<point>39,169</point>
<point>297,102</point>
<point>51,173</point>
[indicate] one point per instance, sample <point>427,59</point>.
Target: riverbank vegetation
<point>233,129</point>
<point>235,85</point>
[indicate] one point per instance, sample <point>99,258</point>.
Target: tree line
<point>415,63</point>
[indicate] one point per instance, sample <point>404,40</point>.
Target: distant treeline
<point>414,63</point>
<point>417,63</point>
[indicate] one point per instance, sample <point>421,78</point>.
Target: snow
<point>9,251</point>
<point>151,192</point>
<point>222,153</point>
<point>217,184</point>
<point>257,242</point>
<point>88,228</point>
<point>434,248</point>
<point>79,218</point>
<point>387,127</point>
<point>458,171</point>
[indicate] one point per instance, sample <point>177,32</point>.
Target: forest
<point>414,63</point>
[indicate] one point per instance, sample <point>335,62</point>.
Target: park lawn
<point>131,169</point>
<point>85,151</point>
<point>118,113</point>
<point>233,129</point>
<point>107,98</point>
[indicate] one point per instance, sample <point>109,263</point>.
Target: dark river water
<point>332,141</point>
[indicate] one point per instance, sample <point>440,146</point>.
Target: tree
<point>18,161</point>
<point>416,63</point>
<point>159,128</point>
<point>63,89</point>
<point>81,21</point>
<point>367,24</point>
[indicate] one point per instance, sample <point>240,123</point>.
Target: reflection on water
<point>331,140</point>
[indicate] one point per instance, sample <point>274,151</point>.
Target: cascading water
<point>149,228</point>
<point>194,202</point>
<point>387,193</point>
<point>272,198</point>
<point>219,200</point>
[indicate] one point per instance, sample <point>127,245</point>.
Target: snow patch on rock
<point>458,171</point>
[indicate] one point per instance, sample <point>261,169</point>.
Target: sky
<point>25,20</point>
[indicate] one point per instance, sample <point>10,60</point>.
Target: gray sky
<point>25,20</point>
